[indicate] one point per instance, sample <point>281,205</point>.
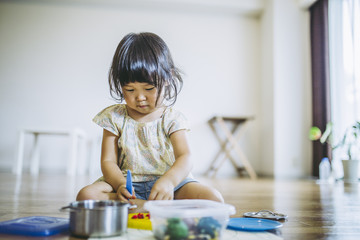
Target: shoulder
<point>174,120</point>
<point>172,113</point>
<point>111,118</point>
<point>116,110</point>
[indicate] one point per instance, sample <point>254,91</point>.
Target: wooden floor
<point>314,211</point>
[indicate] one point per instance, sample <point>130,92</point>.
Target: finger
<point>160,196</point>
<point>153,195</point>
<point>133,195</point>
<point>123,193</point>
<point>121,197</point>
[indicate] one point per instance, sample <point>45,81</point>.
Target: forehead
<point>137,84</point>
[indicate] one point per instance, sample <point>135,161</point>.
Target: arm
<point>163,189</point>
<point>109,167</point>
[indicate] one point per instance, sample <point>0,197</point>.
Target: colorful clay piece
<point>177,229</point>
<point>208,225</point>
<point>191,223</point>
<point>139,221</point>
<point>140,216</point>
<point>206,228</point>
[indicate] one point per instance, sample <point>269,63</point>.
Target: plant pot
<point>351,170</point>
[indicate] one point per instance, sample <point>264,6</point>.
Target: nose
<point>141,97</point>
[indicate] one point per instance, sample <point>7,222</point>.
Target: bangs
<point>138,69</point>
<point>142,63</point>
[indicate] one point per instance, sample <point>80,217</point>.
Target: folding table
<point>230,143</point>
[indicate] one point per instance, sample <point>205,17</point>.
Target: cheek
<point>154,98</point>
<point>127,98</point>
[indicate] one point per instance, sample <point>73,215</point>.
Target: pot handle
<point>133,206</point>
<point>65,209</point>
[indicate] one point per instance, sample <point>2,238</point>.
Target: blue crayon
<point>129,182</point>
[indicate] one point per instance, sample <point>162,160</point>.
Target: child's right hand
<point>123,194</point>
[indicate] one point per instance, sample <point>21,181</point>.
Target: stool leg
<point>35,159</point>
<point>238,150</point>
<point>17,168</point>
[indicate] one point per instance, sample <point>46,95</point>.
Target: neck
<point>148,117</point>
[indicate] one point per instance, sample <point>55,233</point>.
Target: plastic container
<point>325,170</point>
<point>188,219</point>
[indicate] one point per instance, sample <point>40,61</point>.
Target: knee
<point>215,195</point>
<point>85,193</point>
<point>211,194</point>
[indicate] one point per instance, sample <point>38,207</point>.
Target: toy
<point>177,229</point>
<point>139,221</point>
<point>129,186</point>
<point>208,225</point>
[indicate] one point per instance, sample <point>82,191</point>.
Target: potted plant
<point>349,144</point>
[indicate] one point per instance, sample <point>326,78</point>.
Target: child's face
<point>140,97</point>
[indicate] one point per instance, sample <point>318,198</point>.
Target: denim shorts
<point>143,189</point>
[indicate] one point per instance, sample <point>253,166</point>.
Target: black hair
<point>145,58</point>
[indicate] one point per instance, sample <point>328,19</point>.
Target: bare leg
<point>195,190</point>
<point>104,191</point>
<point>97,191</point>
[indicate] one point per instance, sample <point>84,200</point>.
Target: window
<point>344,58</point>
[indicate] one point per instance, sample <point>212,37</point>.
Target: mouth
<point>142,106</point>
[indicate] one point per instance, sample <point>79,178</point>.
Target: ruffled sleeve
<point>111,118</point>
<point>174,121</point>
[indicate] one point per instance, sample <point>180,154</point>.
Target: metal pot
<point>94,218</point>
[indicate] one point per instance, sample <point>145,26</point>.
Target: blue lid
<point>252,224</point>
<point>35,226</point>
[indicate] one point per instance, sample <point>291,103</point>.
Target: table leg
<point>17,169</point>
<point>72,162</point>
<point>35,158</point>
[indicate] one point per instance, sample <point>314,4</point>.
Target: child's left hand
<point>162,190</point>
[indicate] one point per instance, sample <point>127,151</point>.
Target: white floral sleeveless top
<point>144,148</point>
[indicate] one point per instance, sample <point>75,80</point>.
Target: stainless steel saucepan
<point>94,218</point>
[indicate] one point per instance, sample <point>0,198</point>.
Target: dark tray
<point>35,226</point>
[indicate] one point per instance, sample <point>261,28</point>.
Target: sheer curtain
<point>344,50</point>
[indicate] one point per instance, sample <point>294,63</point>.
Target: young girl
<point>145,135</point>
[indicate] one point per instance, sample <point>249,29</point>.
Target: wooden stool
<point>230,143</point>
<point>75,136</point>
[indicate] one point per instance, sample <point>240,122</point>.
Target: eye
<point>129,90</point>
<point>149,89</point>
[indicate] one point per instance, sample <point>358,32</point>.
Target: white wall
<point>292,104</point>
<point>55,55</point>
<point>285,89</point>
